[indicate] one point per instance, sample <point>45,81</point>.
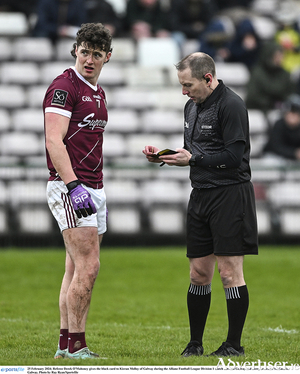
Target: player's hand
<point>150,152</point>
<point>81,200</point>
<point>181,158</point>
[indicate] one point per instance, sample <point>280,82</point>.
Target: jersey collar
<point>83,79</point>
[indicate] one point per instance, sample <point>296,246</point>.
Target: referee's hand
<point>181,158</point>
<point>150,151</point>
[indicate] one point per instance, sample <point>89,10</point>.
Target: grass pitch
<point>138,315</point>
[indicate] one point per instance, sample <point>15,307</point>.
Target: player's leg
<point>234,230</point>
<point>82,240</point>
<point>64,328</point>
<point>82,244</point>
<point>198,299</point>
<point>202,265</point>
<point>237,298</point>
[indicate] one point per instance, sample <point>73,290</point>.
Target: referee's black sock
<point>237,306</point>
<point>198,301</point>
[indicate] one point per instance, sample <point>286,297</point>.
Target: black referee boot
<point>226,350</point>
<point>194,348</point>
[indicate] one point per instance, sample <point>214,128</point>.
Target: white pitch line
<point>281,330</point>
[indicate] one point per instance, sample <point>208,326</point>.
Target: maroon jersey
<point>72,96</point>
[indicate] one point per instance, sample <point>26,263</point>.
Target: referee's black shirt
<point>222,119</point>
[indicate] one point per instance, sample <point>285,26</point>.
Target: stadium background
<point>146,202</point>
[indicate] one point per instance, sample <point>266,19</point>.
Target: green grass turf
<point>138,315</point>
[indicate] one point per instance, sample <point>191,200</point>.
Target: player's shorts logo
<point>59,97</point>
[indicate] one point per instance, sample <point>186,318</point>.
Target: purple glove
<point>81,199</point>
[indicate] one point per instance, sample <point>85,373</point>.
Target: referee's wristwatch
<point>192,160</point>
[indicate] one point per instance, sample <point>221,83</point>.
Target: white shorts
<point>62,209</point>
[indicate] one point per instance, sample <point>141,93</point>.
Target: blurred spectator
<point>146,18</point>
<point>190,17</point>
<point>27,7</point>
<point>103,12</point>
<point>288,36</point>
<point>226,4</point>
<point>245,46</point>
<point>216,37</point>
<point>289,39</point>
<point>59,18</point>
<point>284,137</point>
<point>269,84</point>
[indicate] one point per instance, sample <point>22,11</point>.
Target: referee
<point>221,216</point>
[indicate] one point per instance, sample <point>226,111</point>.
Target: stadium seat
<point>119,6</point>
<point>284,194</point>
<point>135,143</point>
<point>20,144</point>
<point>124,220</point>
<point>27,192</point>
<point>257,121</point>
<point>119,191</point>
<point>112,75</point>
<point>28,119</point>
<point>124,50</point>
<point>132,98</point>
<point>113,145</point>
<point>157,52</point>
<point>8,163</point>
<point>172,77</point>
<point>63,49</point>
<point>264,7</point>
<point>3,193</point>
<point>290,221</point>
<point>273,116</point>
<point>34,220</point>
<point>5,120</point>
<point>170,98</point>
<point>162,121</point>
<point>190,46</point>
<point>175,141</point>
<point>144,76</point>
<point>50,70</point>
<point>264,224</point>
<point>35,95</point>
<point>161,191</point>
<point>123,121</point>
<point>258,142</point>
<point>6,49</point>
<point>265,27</point>
<point>32,49</point>
<point>20,73</point>
<point>12,96</point>
<point>167,220</point>
<point>233,73</point>
<point>3,221</point>
<point>13,24</point>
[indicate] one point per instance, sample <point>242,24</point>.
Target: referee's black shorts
<point>222,221</point>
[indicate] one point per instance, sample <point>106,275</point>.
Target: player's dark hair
<point>200,64</point>
<point>94,35</point>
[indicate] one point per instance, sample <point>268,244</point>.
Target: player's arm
<point>56,127</point>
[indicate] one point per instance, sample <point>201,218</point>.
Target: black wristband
<point>72,185</point>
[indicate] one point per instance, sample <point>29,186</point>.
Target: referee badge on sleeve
<point>59,97</point>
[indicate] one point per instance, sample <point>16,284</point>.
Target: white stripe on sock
<point>232,293</point>
<point>200,290</point>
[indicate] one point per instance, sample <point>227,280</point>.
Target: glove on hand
<point>81,199</point>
